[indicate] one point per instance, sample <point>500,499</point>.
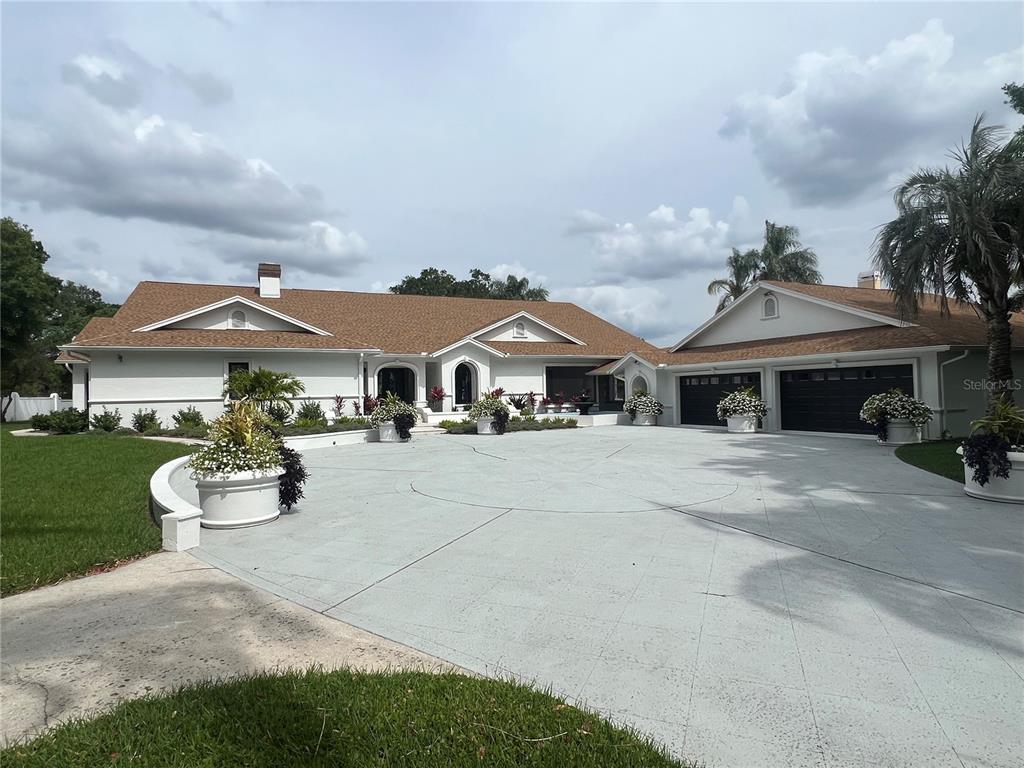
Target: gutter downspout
<point>942,386</point>
<point>359,382</point>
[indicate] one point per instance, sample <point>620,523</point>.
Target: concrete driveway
<point>747,599</point>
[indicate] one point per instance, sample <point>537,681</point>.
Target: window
<point>714,380</point>
<point>237,320</point>
<point>237,366</point>
<point>850,374</point>
<point>770,308</point>
<point>818,376</point>
<point>617,388</point>
<point>519,330</point>
<point>868,373</point>
<point>832,375</point>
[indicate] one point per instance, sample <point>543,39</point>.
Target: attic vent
<point>270,281</point>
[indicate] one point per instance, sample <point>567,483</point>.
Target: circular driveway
<point>747,599</point>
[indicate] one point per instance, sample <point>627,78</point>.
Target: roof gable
<point>217,317</point>
<point>796,313</point>
<point>524,327</point>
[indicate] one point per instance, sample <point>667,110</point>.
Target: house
<point>816,352</point>
<point>172,345</point>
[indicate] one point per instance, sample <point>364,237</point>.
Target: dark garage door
<point>829,399</point>
<point>699,395</point>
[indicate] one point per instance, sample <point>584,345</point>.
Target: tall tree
<point>742,267</point>
<point>960,233</point>
<point>783,257</point>
<point>480,285</point>
<point>26,293</point>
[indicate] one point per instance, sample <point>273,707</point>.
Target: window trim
<point>519,330</point>
<point>764,307</point>
<point>231,320</point>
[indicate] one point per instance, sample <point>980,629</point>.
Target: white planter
<point>742,423</point>
<point>389,433</point>
<point>240,499</point>
<point>901,432</point>
<point>646,420</point>
<point>1010,489</point>
<point>568,408</point>
<point>485,426</point>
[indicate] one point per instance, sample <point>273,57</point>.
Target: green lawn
<point>938,457</point>
<point>344,718</point>
<point>74,503</point>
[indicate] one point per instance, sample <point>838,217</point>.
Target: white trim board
<point>226,302</point>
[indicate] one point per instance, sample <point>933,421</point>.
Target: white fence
<point>24,408</point>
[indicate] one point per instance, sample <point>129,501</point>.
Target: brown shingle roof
<point>961,326</point>
<point>393,323</point>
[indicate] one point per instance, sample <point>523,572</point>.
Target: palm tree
<point>960,233</point>
<point>782,257</point>
<point>741,273</point>
<point>269,389</point>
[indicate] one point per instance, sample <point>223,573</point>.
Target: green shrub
<point>126,431</point>
<point>278,413</point>
<point>341,425</point>
<point>107,421</point>
<point>143,421</point>
<point>309,413</point>
<point>41,422</point>
<point>198,432</point>
<point>515,424</point>
<point>188,418</point>
<point>69,421</point>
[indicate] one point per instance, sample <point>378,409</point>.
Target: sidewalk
<point>78,647</point>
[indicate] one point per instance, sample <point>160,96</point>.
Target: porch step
<point>426,429</point>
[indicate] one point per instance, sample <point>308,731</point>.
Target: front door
<point>400,381</point>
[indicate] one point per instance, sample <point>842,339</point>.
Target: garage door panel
<point>699,395</point>
<point>830,399</point>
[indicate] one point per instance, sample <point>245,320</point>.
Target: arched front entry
<point>465,384</point>
<point>639,384</point>
<point>397,379</point>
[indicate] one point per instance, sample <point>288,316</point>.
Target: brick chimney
<point>870,280</point>
<point>270,281</point>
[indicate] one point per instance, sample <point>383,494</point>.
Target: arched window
<point>238,319</point>
<point>519,330</point>
<point>770,308</point>
<point>639,385</point>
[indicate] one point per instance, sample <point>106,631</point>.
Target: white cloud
<point>662,244</point>
<point>642,310</point>
<point>103,79</point>
<point>585,222</point>
<point>845,124</point>
<point>502,271</point>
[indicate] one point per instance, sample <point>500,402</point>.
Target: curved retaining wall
<point>178,515</point>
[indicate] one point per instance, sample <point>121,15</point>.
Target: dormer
<point>234,314</point>
<point>526,328</point>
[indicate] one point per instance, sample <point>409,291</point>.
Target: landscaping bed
<point>515,424</point>
<point>73,504</point>
<point>938,457</point>
<point>344,718</point>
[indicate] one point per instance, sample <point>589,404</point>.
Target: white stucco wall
<point>796,317</point>
<point>518,376</point>
<point>169,381</point>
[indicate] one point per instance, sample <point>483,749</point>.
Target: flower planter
<point>1009,489</point>
<point>741,423</point>
<point>485,426</point>
<point>584,408</point>
<point>646,420</point>
<point>567,408</point>
<point>389,433</point>
<point>240,499</point>
<point>901,432</point>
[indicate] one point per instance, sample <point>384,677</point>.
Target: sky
<point>613,152</point>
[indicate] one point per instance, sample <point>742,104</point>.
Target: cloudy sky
<point>613,152</point>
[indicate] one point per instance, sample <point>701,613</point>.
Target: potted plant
<point>238,473</point>
<point>545,405</point>
<point>523,403</point>
<point>993,455</point>
<point>643,409</point>
<point>583,402</point>
<point>896,416</point>
<point>393,418</point>
<point>491,414</point>
<point>436,397</point>
<point>741,409</point>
